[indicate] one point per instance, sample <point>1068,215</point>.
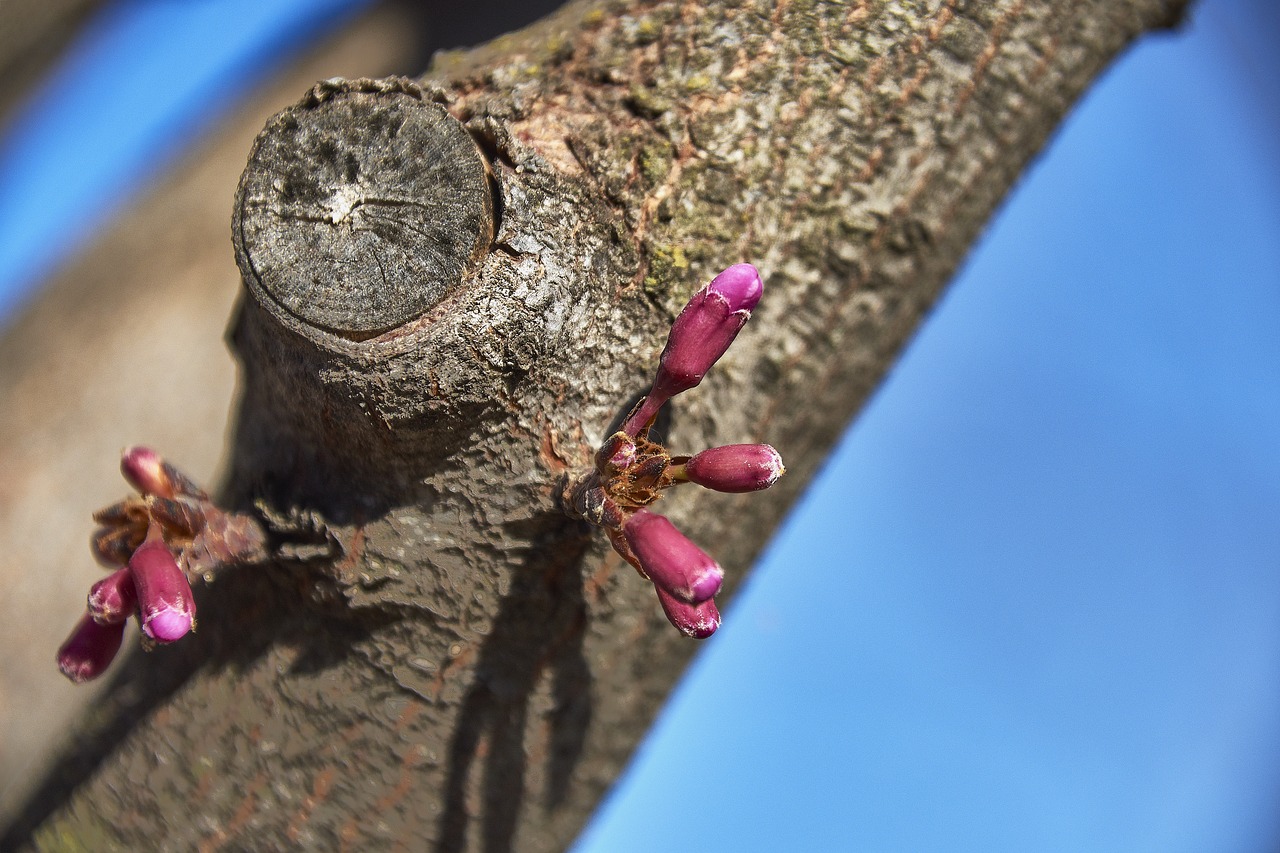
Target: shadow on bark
<point>242,616</point>
<point>540,626</point>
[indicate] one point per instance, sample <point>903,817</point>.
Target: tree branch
<point>125,344</point>
<point>423,358</point>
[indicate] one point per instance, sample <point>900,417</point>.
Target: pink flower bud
<point>145,471</point>
<point>113,598</point>
<point>699,336</point>
<point>670,560</point>
<point>90,649</point>
<point>706,327</point>
<point>741,287</point>
<point>693,620</point>
<point>164,596</point>
<point>735,468</point>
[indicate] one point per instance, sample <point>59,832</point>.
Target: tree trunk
<point>453,290</point>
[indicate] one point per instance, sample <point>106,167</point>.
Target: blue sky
<point>118,108</point>
<point>1051,542</point>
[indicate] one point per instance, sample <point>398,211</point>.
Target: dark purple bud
<point>693,620</point>
<point>735,468</point>
<point>183,517</point>
<point>168,610</point>
<point>90,649</point>
<point>113,598</point>
<point>113,546</point>
<point>131,512</point>
<point>183,485</point>
<point>593,504</point>
<point>670,560</point>
<point>649,473</point>
<point>616,454</point>
<point>699,336</point>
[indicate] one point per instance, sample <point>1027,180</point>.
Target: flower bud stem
<point>643,415</point>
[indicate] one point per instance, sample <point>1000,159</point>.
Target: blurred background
<point>1047,554</point>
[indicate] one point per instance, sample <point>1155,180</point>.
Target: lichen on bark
<point>455,664</point>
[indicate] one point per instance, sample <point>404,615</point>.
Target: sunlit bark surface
<point>439,658</point>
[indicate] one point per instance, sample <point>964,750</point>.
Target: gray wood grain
<point>361,207</point>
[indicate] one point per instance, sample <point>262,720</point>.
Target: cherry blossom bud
<point>113,598</point>
<point>699,336</point>
<point>164,596</point>
<point>735,468</point>
<point>670,560</point>
<point>90,649</point>
<point>693,620</point>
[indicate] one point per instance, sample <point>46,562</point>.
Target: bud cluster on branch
<point>631,470</point>
<point>156,544</point>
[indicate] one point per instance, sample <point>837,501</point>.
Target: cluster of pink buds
<point>631,470</point>
<point>155,544</point>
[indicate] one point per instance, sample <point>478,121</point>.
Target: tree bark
<point>124,345</point>
<point>453,289</point>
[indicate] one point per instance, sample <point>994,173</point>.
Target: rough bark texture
<point>439,659</point>
<point>125,345</point>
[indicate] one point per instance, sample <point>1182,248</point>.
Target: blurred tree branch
<point>467,668</point>
<point>32,35</point>
<point>125,345</point>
